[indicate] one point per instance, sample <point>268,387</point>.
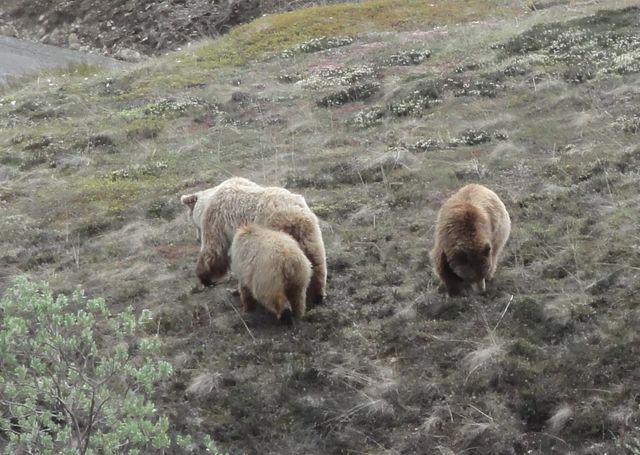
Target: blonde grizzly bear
<point>471,230</point>
<point>271,269</point>
<point>219,211</point>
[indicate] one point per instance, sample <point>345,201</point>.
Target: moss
<point>524,348</point>
<point>144,128</point>
<point>408,57</point>
<point>36,109</point>
<point>338,209</point>
<point>37,143</point>
<point>369,117</point>
<point>569,171</point>
<point>277,33</point>
<point>602,43</point>
<point>138,171</point>
<point>616,357</point>
<point>528,312</point>
<point>346,77</point>
<point>474,137</point>
<point>102,141</point>
<point>162,209</point>
<point>130,291</point>
<point>91,226</point>
<point>482,87</point>
<point>402,196</point>
<point>628,123</point>
<point>117,194</point>
<point>355,93</point>
<point>161,80</point>
<point>168,320</point>
<point>621,217</point>
<point>290,78</point>
<point>164,108</point>
<point>318,44</point>
<point>536,404</point>
<point>579,73</point>
<point>424,95</point>
<point>39,258</point>
<point>441,309</point>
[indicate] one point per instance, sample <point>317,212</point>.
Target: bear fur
<point>472,228</point>
<point>219,211</point>
<point>271,269</point>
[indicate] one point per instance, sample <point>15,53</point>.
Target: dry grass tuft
<point>204,384</point>
<point>472,434</point>
<point>485,357</point>
<point>560,417</point>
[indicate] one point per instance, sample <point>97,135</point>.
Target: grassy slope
<point>91,169</point>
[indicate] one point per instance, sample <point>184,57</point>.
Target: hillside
<point>130,30</point>
<point>376,112</point>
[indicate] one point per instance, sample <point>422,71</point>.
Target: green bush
<point>74,378</point>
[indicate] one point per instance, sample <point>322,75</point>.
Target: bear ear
<point>189,200</point>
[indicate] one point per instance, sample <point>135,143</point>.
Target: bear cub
<point>472,228</point>
<point>271,269</point>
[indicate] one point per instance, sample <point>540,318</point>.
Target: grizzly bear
<point>219,211</point>
<point>271,269</point>
<point>471,230</point>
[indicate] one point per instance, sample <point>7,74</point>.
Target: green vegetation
<point>282,31</point>
<point>75,379</point>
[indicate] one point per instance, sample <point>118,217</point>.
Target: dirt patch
<point>177,253</point>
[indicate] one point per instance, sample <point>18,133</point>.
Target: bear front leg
<point>203,271</point>
<point>494,263</point>
<point>316,290</point>
<point>453,283</point>
<point>211,268</point>
<point>247,300</point>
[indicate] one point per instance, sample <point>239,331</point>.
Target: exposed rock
<point>73,41</point>
<point>120,26</point>
<point>8,30</point>
<point>128,55</point>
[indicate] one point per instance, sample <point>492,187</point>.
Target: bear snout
<point>206,281</point>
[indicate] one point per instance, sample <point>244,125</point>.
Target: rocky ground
<point>129,29</point>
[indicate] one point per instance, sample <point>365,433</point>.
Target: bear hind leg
<point>297,296</point>
<point>282,308</point>
<point>249,303</point>
<point>316,291</point>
